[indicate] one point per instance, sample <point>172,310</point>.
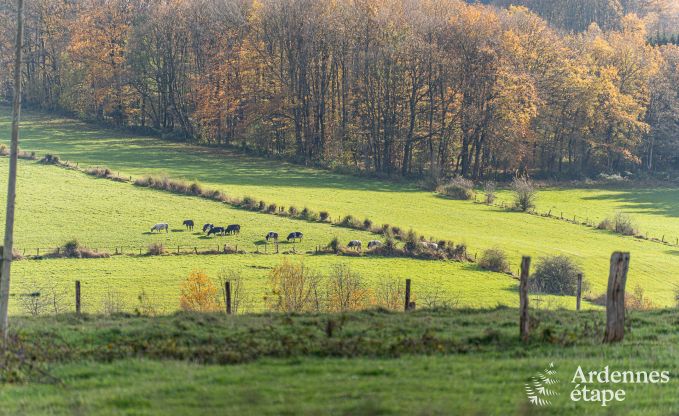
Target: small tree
<point>489,192</point>
<point>293,288</point>
<point>239,298</point>
<point>198,293</point>
<point>525,193</point>
<point>390,293</point>
<point>346,290</point>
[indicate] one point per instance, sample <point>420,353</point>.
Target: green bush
<point>525,193</point>
<point>457,188</point>
<point>556,275</point>
<point>495,260</point>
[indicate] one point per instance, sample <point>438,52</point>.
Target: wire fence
<point>587,221</point>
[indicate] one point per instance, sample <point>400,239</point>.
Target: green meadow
<point>464,362</point>
<point>654,266</point>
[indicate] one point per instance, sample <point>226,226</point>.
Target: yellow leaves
<point>198,293</point>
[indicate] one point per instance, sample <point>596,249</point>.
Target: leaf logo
<point>539,389</point>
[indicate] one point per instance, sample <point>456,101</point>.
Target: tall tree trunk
<point>11,182</point>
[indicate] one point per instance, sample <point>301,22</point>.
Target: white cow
<point>160,227</point>
<point>429,245</point>
<point>374,243</point>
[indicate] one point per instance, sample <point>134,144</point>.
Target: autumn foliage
<point>437,89</point>
<point>198,293</point>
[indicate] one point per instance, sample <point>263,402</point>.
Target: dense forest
<point>425,88</point>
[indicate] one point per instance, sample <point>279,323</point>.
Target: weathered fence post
<point>227,296</point>
<point>407,300</point>
<point>579,292</point>
<point>523,299</point>
<point>615,297</point>
<point>77,297</point>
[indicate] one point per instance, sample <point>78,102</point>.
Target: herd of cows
<point>231,229</point>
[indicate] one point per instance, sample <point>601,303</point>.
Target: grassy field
<point>56,205</point>
<point>466,362</point>
<point>653,266</point>
<point>655,211</point>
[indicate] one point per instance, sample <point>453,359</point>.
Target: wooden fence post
<point>77,297</point>
<point>227,296</point>
<point>408,304</point>
<point>523,299</point>
<point>579,292</point>
<point>615,297</point>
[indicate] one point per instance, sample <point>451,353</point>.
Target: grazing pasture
<point>481,227</point>
<point>56,205</point>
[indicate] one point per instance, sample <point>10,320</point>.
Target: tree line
<point>419,88</point>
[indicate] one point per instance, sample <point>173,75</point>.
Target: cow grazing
<point>272,236</point>
<point>233,229</point>
<point>161,226</point>
<point>206,227</point>
<point>296,235</point>
<point>429,245</point>
<point>216,231</point>
<point>374,243</point>
<point>355,244</point>
<point>188,224</point>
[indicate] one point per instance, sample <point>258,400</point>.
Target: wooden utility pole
<point>579,293</point>
<point>615,297</point>
<point>11,182</point>
<point>524,329</point>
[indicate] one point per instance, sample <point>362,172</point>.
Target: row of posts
<point>615,298</point>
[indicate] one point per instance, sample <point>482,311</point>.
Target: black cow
<point>355,244</point>
<point>233,229</point>
<point>216,231</point>
<point>272,236</point>
<point>188,224</point>
<point>206,227</point>
<point>295,236</point>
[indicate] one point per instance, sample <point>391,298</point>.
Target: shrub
<point>605,224</point>
<point>293,288</point>
<point>308,215</point>
<point>525,193</point>
<point>557,275</point>
<point>489,192</point>
<point>50,160</point>
<point>198,293</point>
<point>350,222</point>
<point>249,203</point>
<point>396,232</point>
<point>293,211</point>
<point>367,223</point>
<point>411,241</point>
<point>271,208</point>
<point>324,215</point>
<point>73,249</point>
<point>262,206</point>
<point>389,293</point>
<point>335,245</point>
<point>239,298</point>
<point>346,290</point>
<point>156,249</point>
<point>495,260</point>
<point>457,188</point>
<point>637,301</point>
<point>99,172</point>
<point>624,224</point>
